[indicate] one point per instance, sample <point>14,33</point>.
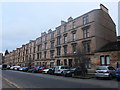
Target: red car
<point>41,69</point>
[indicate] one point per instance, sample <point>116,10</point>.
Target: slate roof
<point>113,46</point>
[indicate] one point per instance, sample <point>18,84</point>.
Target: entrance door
<point>70,62</point>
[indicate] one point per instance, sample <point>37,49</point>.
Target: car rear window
<point>72,68</point>
<point>64,67</point>
<point>101,68</point>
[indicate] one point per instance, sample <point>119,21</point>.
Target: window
<point>34,50</point>
<point>51,54</point>
<point>41,40</point>
<point>105,60</point>
<point>65,28</point>
<point>26,51</point>
<point>58,63</point>
<point>45,46</point>
<point>52,35</point>
<point>33,56</point>
<point>74,48</point>
<point>40,55</point>
<point>38,48</point>
<point>73,25</point>
<point>85,19</point>
<point>58,40</point>
<point>65,50</point>
<point>58,50</point>
<point>45,54</point>
<point>86,33</point>
<point>65,62</point>
<point>46,38</point>
<point>65,39</point>
<point>52,45</point>
<point>37,55</point>
<point>30,50</point>
<point>86,46</point>
<point>88,63</point>
<point>102,60</point>
<point>58,31</point>
<point>74,36</point>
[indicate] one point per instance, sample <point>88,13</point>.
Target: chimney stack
<point>103,8</point>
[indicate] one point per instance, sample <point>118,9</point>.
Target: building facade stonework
<point>90,32</point>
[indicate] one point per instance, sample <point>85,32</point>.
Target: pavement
<point>38,80</point>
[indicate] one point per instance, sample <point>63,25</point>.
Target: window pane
<point>102,60</point>
<point>107,59</point>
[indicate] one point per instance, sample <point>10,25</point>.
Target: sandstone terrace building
<point>89,32</point>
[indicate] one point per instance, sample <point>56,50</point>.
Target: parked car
<point>73,71</point>
<point>45,71</point>
<point>30,70</point>
<point>36,69</point>
<point>23,69</point>
<point>105,71</point>
<point>41,69</point>
<point>59,69</point>
<point>4,66</point>
<point>117,73</point>
<point>8,67</point>
<point>16,67</point>
<point>12,67</point>
<point>51,70</point>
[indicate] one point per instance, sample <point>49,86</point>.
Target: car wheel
<point>33,71</point>
<point>118,79</point>
<point>110,77</point>
<point>73,74</point>
<point>62,73</point>
<point>97,77</point>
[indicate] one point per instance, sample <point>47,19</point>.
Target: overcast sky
<point>24,21</point>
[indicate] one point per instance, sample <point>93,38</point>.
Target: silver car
<point>60,69</point>
<point>105,71</point>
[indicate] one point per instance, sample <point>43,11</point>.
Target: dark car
<point>74,71</point>
<point>51,70</point>
<point>41,69</point>
<point>117,73</point>
<point>24,69</point>
<point>30,70</point>
<point>36,69</point>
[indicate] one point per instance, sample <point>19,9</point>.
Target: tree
<point>6,52</point>
<point>80,59</point>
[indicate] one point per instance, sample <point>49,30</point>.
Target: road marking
<point>17,86</point>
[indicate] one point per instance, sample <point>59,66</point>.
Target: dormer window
<point>73,25</point>
<point>65,28</point>
<point>85,20</point>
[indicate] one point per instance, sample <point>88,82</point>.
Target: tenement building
<point>88,33</point>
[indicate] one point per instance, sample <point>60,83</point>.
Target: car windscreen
<point>101,68</point>
<point>111,68</point>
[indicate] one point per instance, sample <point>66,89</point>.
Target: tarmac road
<point>38,80</point>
